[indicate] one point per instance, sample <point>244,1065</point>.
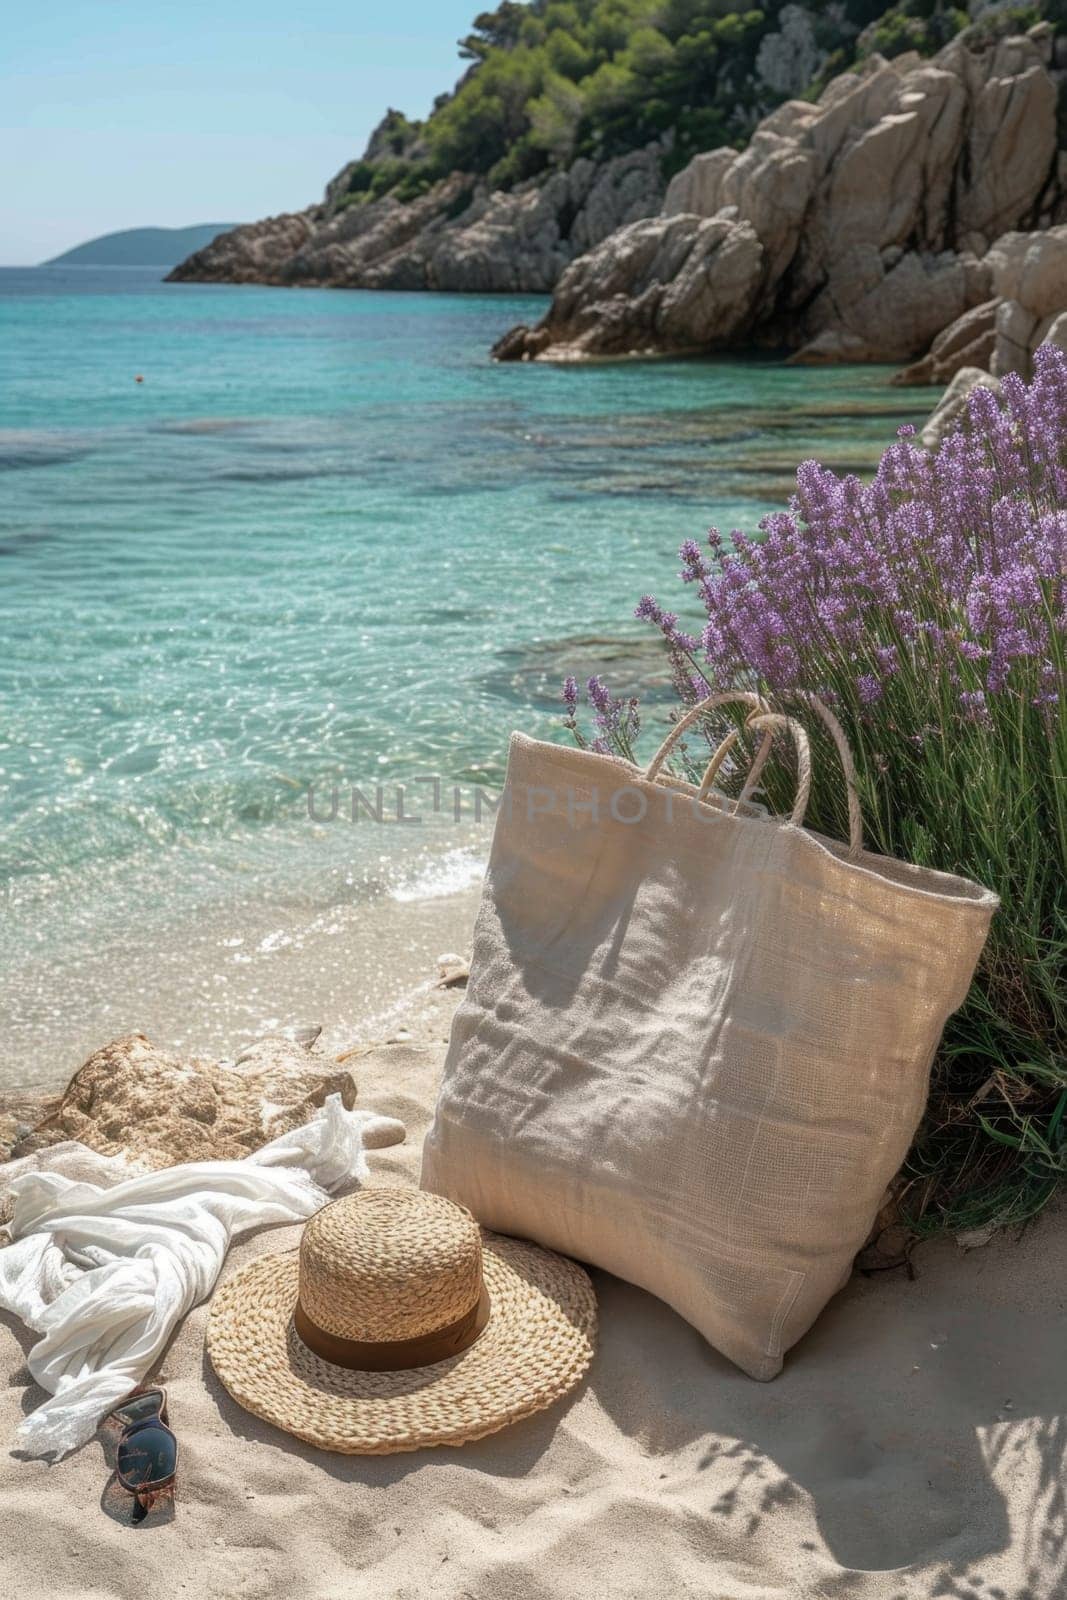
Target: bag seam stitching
<point>785,1306</point>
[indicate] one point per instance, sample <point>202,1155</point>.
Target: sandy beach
<point>914,1447</point>
<point>605,415</point>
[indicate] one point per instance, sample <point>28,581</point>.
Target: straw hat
<point>400,1323</point>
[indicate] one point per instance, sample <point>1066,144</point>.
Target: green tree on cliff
<point>555,79</point>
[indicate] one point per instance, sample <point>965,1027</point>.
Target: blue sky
<point>129,113</point>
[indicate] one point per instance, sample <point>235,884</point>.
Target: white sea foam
<point>456,870</point>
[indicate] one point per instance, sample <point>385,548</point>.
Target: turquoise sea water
<point>324,540</point>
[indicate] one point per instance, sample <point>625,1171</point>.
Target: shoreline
<point>368,969</point>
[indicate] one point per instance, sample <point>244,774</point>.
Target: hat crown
<point>387,1264</point>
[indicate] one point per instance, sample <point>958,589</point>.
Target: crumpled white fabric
<point>73,1160</point>
<point>105,1273</point>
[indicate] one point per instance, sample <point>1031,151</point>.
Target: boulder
<point>1011,133</point>
<point>1005,260</point>
<point>1029,277</point>
<point>879,180</point>
<point>134,1100</point>
<point>9,1133</point>
<point>667,284</point>
<point>1014,339</point>
<point>521,343</point>
<point>966,342</point>
<point>1043,36</point>
<point>696,188</point>
<point>770,186</point>
<point>887,315</point>
<point>949,409</point>
<point>1027,273</point>
<point>829,349</point>
<point>1042,285</point>
<point>255,253</point>
<point>872,209</point>
<point>1056,331</point>
<point>708,300</point>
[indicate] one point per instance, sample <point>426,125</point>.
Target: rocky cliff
<point>909,204</point>
<point>460,235</point>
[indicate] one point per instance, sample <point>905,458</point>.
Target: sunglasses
<point>146,1459</point>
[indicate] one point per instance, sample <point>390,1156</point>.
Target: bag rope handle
<point>759,761</point>
<point>848,767</point>
<point>755,771</point>
<point>770,720</point>
<point>743,697</point>
<point>762,711</point>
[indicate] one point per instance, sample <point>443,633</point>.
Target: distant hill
<point>142,247</point>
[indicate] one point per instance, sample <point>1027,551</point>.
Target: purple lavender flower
<point>949,568</point>
<point>599,698</point>
<point>617,721</point>
<point>648,609</point>
<point>974,705</point>
<point>959,555</point>
<point>694,565</point>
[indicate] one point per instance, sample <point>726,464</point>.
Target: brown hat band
<point>395,1355</point>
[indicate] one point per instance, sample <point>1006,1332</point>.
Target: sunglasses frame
<point>145,1493</point>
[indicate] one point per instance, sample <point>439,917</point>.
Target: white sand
<point>915,1445</point>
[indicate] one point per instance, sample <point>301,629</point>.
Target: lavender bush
<point>929,607</point>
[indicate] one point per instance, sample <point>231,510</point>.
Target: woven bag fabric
<point>696,1041</point>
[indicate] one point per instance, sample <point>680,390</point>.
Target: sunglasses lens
<point>147,1456</point>
<point>142,1406</point>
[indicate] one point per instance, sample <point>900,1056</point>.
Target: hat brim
<point>536,1346</point>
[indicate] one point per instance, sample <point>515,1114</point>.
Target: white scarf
<point>104,1274</point>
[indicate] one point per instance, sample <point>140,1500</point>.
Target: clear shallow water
<point>325,540</point>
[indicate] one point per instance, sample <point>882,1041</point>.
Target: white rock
<point>950,407</point>
<point>1056,332</point>
<point>872,210</point>
<point>1015,327</point>
<point>696,188</point>
<point>1043,273</point>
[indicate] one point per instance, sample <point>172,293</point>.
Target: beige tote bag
<point>696,1041</point>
